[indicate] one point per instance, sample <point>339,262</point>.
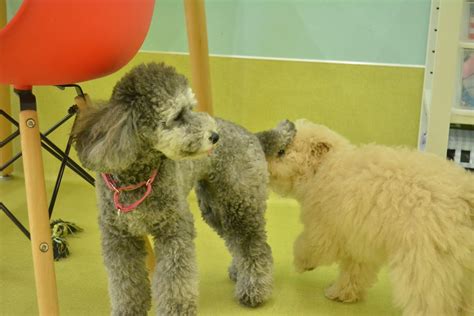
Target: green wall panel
<point>375,31</point>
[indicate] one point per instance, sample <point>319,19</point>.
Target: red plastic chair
<point>51,42</point>
<point>56,42</point>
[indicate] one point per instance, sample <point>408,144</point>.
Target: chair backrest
<point>51,42</point>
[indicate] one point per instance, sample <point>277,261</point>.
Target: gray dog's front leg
<point>175,281</point>
<point>129,287</point>
<point>251,267</point>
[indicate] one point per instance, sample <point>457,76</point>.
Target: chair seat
<point>51,42</point>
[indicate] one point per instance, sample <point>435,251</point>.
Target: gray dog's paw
<point>232,272</point>
<point>251,297</point>
<point>253,292</point>
<point>178,309</point>
<point>122,312</point>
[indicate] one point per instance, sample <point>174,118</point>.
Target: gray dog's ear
<point>276,140</point>
<point>287,131</point>
<point>105,137</point>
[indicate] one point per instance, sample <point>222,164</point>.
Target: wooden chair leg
<point>5,130</point>
<point>198,53</point>
<point>41,243</point>
<point>5,127</point>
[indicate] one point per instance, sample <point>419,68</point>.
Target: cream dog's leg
<point>313,248</point>
<point>353,281</point>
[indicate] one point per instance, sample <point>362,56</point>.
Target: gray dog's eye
<point>281,153</point>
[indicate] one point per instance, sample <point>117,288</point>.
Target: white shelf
<point>427,100</point>
<point>462,115</point>
<point>441,94</point>
<point>466,44</point>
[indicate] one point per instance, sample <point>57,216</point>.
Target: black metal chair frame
<point>54,150</point>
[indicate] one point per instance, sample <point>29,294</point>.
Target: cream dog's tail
<point>470,195</point>
<point>467,307</point>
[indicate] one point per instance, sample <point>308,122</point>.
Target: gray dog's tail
<point>276,139</point>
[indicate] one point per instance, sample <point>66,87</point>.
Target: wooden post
<point>41,244</point>
<point>198,51</point>
<point>5,126</point>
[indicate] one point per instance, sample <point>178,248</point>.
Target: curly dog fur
<point>365,206</point>
<point>148,124</point>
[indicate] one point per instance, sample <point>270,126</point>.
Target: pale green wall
<point>380,31</point>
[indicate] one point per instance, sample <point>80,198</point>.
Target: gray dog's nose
<point>214,137</point>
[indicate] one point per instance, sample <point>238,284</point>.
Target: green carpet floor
<point>82,283</point>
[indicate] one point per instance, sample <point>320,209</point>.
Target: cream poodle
<point>365,206</point>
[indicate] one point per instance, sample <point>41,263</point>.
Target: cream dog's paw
<point>302,265</point>
<point>347,294</point>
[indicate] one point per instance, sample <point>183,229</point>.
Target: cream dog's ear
<point>105,137</point>
<point>317,151</point>
<point>319,148</point>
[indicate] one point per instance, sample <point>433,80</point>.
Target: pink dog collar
<point>112,186</point>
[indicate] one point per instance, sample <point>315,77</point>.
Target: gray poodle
<point>150,149</point>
